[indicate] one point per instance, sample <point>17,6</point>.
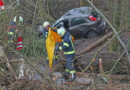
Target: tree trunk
<point>95,44</point>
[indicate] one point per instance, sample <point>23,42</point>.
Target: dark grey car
<point>82,22</point>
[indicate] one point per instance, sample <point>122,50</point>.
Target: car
<point>82,22</point>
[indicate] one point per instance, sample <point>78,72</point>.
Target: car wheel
<point>92,34</point>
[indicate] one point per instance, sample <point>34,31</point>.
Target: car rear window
<point>77,20</point>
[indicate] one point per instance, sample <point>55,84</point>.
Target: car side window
<point>77,20</point>
<point>64,23</point>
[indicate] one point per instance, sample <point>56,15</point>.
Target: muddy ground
<point>118,80</point>
<point>105,54</point>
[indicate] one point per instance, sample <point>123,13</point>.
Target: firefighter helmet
<point>61,31</point>
<point>45,24</point>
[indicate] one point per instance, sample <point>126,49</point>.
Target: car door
<point>77,26</point>
<point>63,23</point>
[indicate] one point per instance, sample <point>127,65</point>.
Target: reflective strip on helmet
<point>10,33</point>
<point>70,52</point>
<point>71,72</point>
<point>66,44</point>
<point>60,48</point>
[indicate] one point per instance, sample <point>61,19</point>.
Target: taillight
<point>92,18</point>
<point>1,3</point>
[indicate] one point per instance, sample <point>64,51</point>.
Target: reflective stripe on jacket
<point>67,44</point>
<point>10,32</point>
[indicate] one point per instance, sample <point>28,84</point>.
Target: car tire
<point>91,34</point>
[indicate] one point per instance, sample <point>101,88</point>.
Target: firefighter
<point>46,26</point>
<point>15,41</point>
<point>69,52</point>
<point>11,31</point>
<point>14,35</point>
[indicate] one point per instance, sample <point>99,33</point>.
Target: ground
<point>119,78</point>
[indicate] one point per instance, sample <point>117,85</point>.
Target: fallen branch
<point>93,59</point>
<point>93,45</point>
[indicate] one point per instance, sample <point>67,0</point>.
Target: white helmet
<point>61,31</point>
<point>15,18</point>
<point>45,24</point>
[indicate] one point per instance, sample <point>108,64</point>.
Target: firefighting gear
<point>69,52</point>
<point>11,31</point>
<point>20,19</point>
<point>66,75</point>
<point>72,77</point>
<point>14,35</point>
<point>51,40</point>
<point>15,18</point>
<point>45,33</point>
<point>61,31</point>
<point>57,48</point>
<point>69,63</point>
<point>45,24</point>
<point>19,41</point>
<point>67,44</point>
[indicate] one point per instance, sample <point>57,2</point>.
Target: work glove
<point>56,48</point>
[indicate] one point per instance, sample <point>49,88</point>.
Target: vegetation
<point>34,12</point>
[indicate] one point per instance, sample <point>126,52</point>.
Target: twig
<point>41,74</point>
<point>32,26</point>
<point>12,61</point>
<point>117,62</point>
<point>9,66</point>
<point>97,54</point>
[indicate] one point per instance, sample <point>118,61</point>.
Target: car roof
<point>77,12</point>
